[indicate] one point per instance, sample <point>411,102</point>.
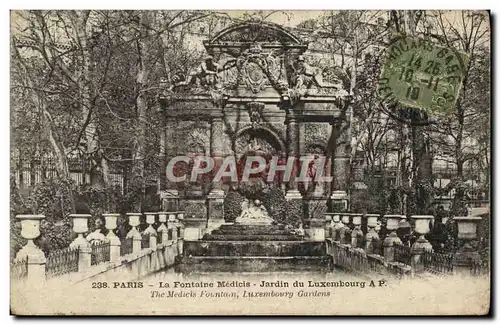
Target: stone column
<point>293,150</point>
<point>30,230</point>
<point>341,165</point>
<point>215,199</point>
<point>134,221</point>
<point>114,241</point>
<point>466,259</point>
<point>217,149</point>
<point>162,229</point>
<point>422,245</point>
<point>392,239</point>
<point>150,231</point>
<point>169,194</point>
<point>80,226</point>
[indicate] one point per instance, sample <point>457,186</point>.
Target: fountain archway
<point>263,142</point>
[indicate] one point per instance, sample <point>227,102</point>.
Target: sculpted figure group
<point>253,212</point>
<point>303,76</point>
<point>204,75</point>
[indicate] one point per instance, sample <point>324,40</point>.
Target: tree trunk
<point>87,106</point>
<point>141,102</point>
<point>37,100</point>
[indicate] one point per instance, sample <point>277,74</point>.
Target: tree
<point>346,37</point>
<point>62,44</point>
<point>463,136</point>
<point>92,80</point>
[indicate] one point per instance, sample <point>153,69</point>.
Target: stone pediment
<point>256,60</point>
<point>253,32</point>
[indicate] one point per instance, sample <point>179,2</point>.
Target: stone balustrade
<point>348,245</point>
<point>399,256</point>
<point>156,256</point>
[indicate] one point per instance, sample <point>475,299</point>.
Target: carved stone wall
<point>188,137</point>
<point>314,135</point>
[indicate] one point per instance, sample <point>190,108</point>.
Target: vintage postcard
<point>279,162</point>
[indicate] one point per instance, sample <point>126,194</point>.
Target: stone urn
<point>422,227</point>
<point>392,226</point>
<point>467,226</point>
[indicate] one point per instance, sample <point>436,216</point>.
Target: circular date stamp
<point>418,73</point>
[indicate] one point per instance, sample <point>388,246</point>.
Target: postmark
<point>418,73</point>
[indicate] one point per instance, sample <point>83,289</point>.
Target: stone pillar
<point>194,229</point>
<point>466,259</point>
<point>357,233</point>
<point>114,241</point>
<point>169,194</point>
<point>392,239</point>
<point>30,230</point>
<point>337,225</point>
<point>217,149</point>
<point>162,229</point>
<point>180,233</point>
<point>180,218</point>
<point>170,200</point>
<point>339,201</point>
<point>215,202</point>
<point>293,150</point>
<point>341,161</point>
<point>345,231</point>
<point>172,225</point>
<point>150,231</point>
<point>316,230</point>
<point>215,199</point>
<point>422,245</point>
<point>371,235</point>
<point>80,226</point>
<point>134,221</point>
<point>328,226</point>
<point>315,209</point>
<point>195,205</point>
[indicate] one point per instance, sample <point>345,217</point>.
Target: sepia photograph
<point>250,162</point>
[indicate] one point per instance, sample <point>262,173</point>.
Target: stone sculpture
<point>253,213</point>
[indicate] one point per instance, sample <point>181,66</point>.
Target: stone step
<point>250,232</point>
<point>197,264</point>
<point>253,227</point>
<point>254,248</point>
<point>251,237</point>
